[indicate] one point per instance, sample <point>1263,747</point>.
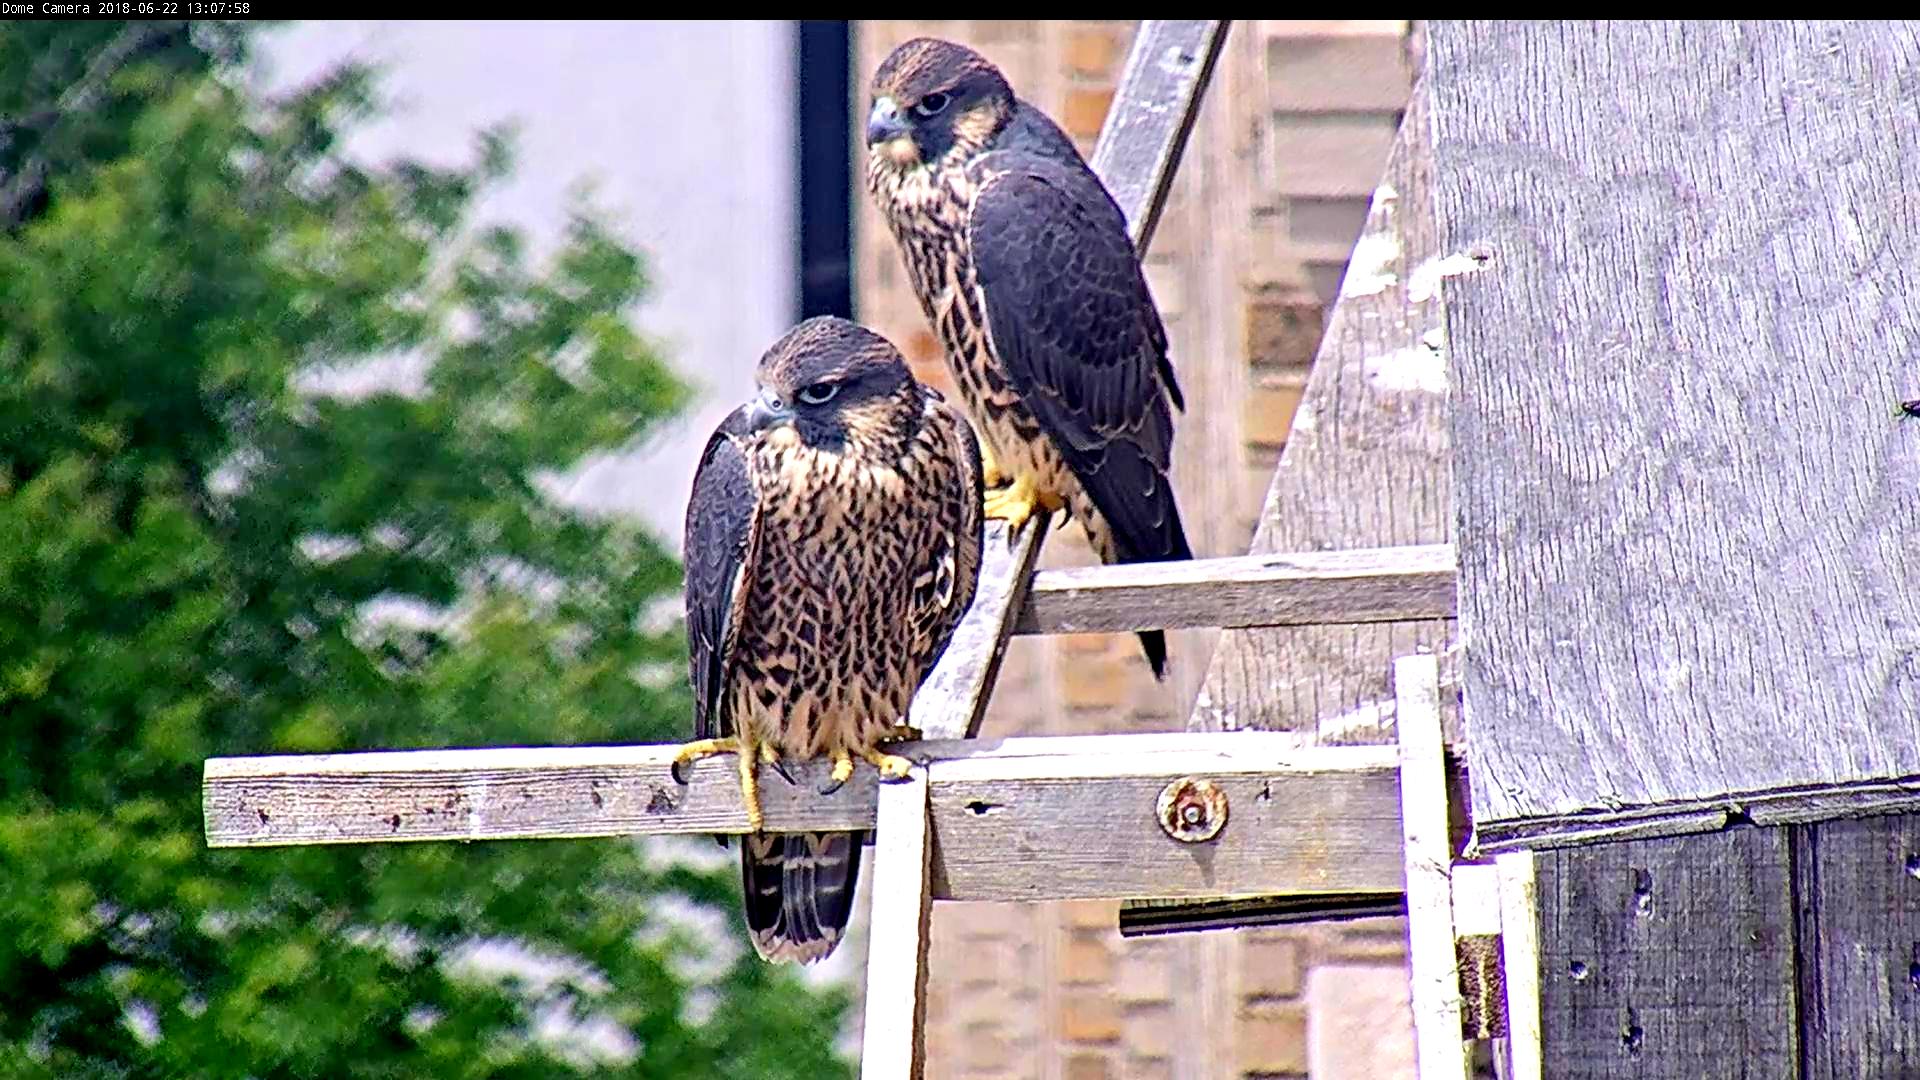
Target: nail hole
<point>395,822</point>
<point>1642,893</point>
<point>1913,864</point>
<point>1578,970</point>
<point>982,808</point>
<point>1632,1036</point>
<point>263,816</point>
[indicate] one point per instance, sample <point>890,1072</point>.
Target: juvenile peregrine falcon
<point>832,545</point>
<point>1022,263</point>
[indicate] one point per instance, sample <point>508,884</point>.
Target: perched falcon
<point>1022,263</point>
<point>832,545</point>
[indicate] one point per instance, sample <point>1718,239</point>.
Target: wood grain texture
<point>1428,855</point>
<point>893,1044</point>
<point>1520,962</point>
<point>1858,887</point>
<point>1366,465</point>
<point>1369,585</point>
<point>1689,505</point>
<point>1013,819</point>
<point>1154,107</point>
<point>1139,149</point>
<point>1032,830</point>
<point>1668,958</point>
<point>953,700</point>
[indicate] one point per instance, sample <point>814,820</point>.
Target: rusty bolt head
<point>1192,811</point>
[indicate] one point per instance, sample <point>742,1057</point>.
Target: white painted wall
<point>686,128</point>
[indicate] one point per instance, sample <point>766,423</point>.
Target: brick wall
<point>1249,251</point>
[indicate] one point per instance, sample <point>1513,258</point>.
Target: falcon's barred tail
<point>799,892</point>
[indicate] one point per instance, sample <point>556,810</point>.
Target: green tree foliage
<point>191,544</point>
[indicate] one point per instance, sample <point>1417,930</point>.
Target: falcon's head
<point>932,98</point>
<point>836,386</point>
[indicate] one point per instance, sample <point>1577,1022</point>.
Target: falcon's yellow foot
<point>749,755</point>
<point>1016,503</point>
<point>891,766</point>
<point>700,748</point>
<point>990,474</point>
<point>842,772</point>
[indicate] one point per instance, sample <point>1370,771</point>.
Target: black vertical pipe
<point>823,93</point>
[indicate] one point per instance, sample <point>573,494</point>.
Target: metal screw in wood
<point>1191,810</point>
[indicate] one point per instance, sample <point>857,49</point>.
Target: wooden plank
<point>1428,854</point>
<point>1154,106</point>
<point>953,700</point>
<point>1477,948</point>
<point>893,1038</point>
<point>1139,149</point>
<point>1796,806</point>
<point>1520,962</point>
<point>1367,464</point>
<point>1689,502</point>
<point>1015,819</point>
<point>1301,588</point>
<point>1314,821</point>
<point>1668,958</point>
<point>1858,891</point>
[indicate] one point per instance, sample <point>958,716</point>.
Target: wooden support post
<point>1520,963</point>
<point>1429,861</point>
<point>893,1042</point>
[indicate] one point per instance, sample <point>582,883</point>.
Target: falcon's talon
<point>891,766</point>
<point>842,772</point>
<point>769,755</point>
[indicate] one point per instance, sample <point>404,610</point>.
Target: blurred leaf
<point>211,505</point>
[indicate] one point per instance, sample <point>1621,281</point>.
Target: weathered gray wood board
<point>1858,892</point>
<point>1139,149</point>
<point>1304,588</point>
<point>1012,819</point>
<point>893,1040</point>
<point>1366,465</point>
<point>1668,958</point>
<point>1689,506</point>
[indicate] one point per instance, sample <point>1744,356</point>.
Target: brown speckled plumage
<point>831,551</point>
<point>1024,269</point>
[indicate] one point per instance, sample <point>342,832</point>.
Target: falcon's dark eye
<point>932,105</point>
<point>819,393</point>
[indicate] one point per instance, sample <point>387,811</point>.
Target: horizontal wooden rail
<point>1397,584</point>
<point>1012,819</point>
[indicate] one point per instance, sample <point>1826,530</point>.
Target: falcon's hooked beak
<point>767,411</point>
<point>886,127</point>
<point>884,123</point>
